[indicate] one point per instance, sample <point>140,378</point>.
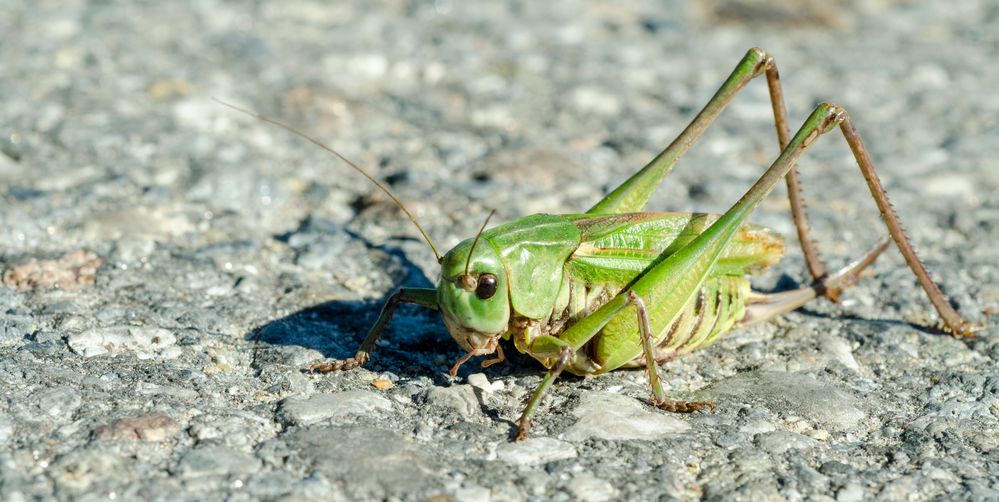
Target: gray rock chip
<point>613,416</point>
<point>370,462</point>
<point>6,427</point>
<point>591,489</point>
<point>58,402</point>
<point>778,442</point>
<point>306,411</point>
<point>81,468</point>
<point>535,451</point>
<point>791,394</point>
<point>14,328</point>
<point>840,350</point>
<point>852,492</point>
<point>216,461</point>
<point>460,398</point>
<point>145,341</point>
<point>149,427</point>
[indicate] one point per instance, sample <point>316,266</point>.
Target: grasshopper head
<point>473,297</point>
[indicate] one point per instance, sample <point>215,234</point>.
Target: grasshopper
<point>615,287</point>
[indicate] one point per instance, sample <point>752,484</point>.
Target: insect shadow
<point>416,344</point>
<point>786,282</point>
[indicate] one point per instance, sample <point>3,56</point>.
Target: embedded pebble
<point>72,271</point>
<point>13,328</point>
<point>590,489</point>
<point>472,494</point>
<point>757,425</point>
<point>613,416</point>
<point>217,461</point>
<point>375,461</point>
<point>152,427</point>
<point>481,382</point>
<point>82,468</point>
<point>852,492</point>
<point>58,402</point>
<point>458,398</point>
<point>535,451</point>
<point>840,350</point>
<point>950,185</point>
<point>144,342</point>
<point>6,427</point>
<point>790,394</point>
<point>778,442</point>
<point>339,405</point>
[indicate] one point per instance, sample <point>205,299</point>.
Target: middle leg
<point>659,398</point>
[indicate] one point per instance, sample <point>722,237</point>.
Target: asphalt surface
<point>171,267</point>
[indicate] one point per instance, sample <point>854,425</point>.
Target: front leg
<point>524,424</point>
<point>419,296</point>
<point>562,348</point>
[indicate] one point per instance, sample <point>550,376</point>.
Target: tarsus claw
<point>522,431</point>
<point>684,406</point>
<point>344,365</point>
<point>966,329</point>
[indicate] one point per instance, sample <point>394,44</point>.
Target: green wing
<point>614,249</point>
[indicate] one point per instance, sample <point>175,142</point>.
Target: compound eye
<point>486,287</point>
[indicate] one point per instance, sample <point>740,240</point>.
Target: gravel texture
<point>170,266</point>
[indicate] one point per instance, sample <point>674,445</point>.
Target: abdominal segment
<point>713,311</point>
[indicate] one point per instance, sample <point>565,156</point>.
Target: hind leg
<point>762,307</point>
<point>634,193</point>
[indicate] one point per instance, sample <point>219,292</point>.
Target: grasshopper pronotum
<point>561,287</point>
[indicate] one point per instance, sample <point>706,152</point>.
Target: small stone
<point>217,461</point>
<point>794,394</point>
<point>730,440</point>
<point>590,489</point>
<point>840,350</point>
<point>315,487</point>
<point>72,271</point>
<point>472,494</point>
<point>778,442</point>
<point>481,381</point>
<point>145,342</point>
<point>6,427</point>
<point>852,492</point>
<point>460,398</point>
<point>613,416</point>
<point>596,100</point>
<point>377,462</point>
<point>58,402</point>
<point>756,425</point>
<point>305,411</point>
<point>13,328</point>
<point>381,384</point>
<point>949,184</point>
<point>152,427</point>
<point>535,451</point>
<point>819,434</point>
<point>83,467</point>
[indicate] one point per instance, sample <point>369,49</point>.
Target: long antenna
<point>320,144</point>
<point>468,260</point>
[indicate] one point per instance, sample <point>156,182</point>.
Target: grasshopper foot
<point>521,434</point>
<point>964,329</point>
<point>342,365</point>
<point>683,406</point>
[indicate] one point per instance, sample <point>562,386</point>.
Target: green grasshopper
<point>561,287</point>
